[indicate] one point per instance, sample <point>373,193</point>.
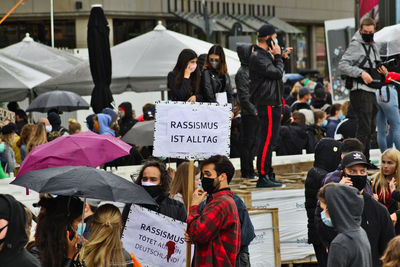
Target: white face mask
<point>148,184</point>
<point>49,128</point>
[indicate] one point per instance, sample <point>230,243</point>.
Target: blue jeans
<point>388,113</point>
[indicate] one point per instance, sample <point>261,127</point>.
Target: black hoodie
<point>127,121</point>
<point>242,80</point>
<point>326,158</point>
<point>13,253</point>
<point>351,247</point>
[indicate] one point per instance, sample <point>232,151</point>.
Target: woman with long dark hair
<point>56,239</point>
<point>215,84</point>
<point>184,79</point>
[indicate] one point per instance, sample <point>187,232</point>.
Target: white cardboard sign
<point>192,130</point>
<point>154,239</point>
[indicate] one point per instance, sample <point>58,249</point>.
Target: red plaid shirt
<point>216,232</point>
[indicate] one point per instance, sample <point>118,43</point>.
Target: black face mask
<point>367,37</point>
<point>208,184</point>
<point>359,181</point>
<point>4,239</point>
<point>154,190</point>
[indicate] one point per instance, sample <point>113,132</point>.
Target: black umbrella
<point>60,100</point>
<point>84,182</point>
<point>100,59</point>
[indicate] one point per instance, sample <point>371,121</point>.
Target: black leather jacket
<point>266,74</point>
<point>210,85</point>
<point>242,80</point>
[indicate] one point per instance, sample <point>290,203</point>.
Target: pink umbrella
<point>83,149</point>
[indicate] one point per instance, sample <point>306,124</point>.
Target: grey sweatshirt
<point>351,247</point>
<point>352,58</point>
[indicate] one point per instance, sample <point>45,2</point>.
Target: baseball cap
<point>354,158</point>
<point>304,91</point>
<point>266,29</point>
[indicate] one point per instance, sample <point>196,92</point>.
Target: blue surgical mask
<point>276,41</point>
<point>342,117</point>
<point>81,229</point>
<point>308,102</point>
<point>327,221</point>
<point>325,123</point>
<point>2,145</point>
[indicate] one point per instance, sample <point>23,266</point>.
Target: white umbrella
<point>17,79</point>
<point>42,57</point>
<point>140,64</point>
<point>389,40</point>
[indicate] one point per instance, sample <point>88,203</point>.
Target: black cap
<point>9,128</point>
<point>304,91</point>
<point>265,30</point>
<point>354,158</point>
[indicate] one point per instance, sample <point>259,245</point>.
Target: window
<point>258,10</point>
<point>212,7</point>
<point>273,11</point>
<point>233,8</point>
<point>244,9</point>
<point>269,10</point>
<point>14,31</point>
<point>238,5</point>
<point>263,10</point>
<point>218,8</point>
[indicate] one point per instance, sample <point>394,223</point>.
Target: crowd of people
<point>352,217</point>
<point>218,223</point>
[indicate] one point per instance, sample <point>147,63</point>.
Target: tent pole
<point>52,22</point>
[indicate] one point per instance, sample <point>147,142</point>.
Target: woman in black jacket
<point>215,84</point>
<point>184,79</point>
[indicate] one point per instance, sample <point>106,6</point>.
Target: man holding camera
<point>359,64</point>
<point>266,70</point>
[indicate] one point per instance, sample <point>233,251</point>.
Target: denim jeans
<point>388,113</point>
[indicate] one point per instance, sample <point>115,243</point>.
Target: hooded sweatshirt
<point>351,247</point>
<point>104,124</point>
<point>127,121</point>
<point>242,81</point>
<point>13,252</point>
<point>326,158</point>
<point>355,53</point>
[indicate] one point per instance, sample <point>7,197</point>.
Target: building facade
<point>300,21</point>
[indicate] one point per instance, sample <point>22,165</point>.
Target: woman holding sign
<point>184,79</point>
<point>215,84</point>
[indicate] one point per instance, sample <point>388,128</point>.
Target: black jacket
<point>375,221</point>
<point>167,206</point>
<point>182,93</point>
<point>293,139</point>
<point>13,253</point>
<point>266,72</point>
<point>126,122</point>
<point>326,158</point>
<point>296,106</point>
<point>242,80</point>
<point>211,83</point>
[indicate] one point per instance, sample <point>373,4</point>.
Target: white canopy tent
<point>42,57</point>
<point>140,64</point>
<point>18,79</point>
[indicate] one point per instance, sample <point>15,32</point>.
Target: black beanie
<point>9,128</point>
<point>265,30</point>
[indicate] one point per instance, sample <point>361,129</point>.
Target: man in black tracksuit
<point>248,112</point>
<point>266,90</point>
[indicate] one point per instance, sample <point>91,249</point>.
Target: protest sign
<point>192,130</point>
<point>154,239</point>
<point>6,115</point>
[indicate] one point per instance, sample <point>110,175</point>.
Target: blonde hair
<point>39,137</point>
<point>104,247</point>
<point>391,256</point>
<point>180,182</point>
<point>296,88</point>
<point>8,138</point>
<point>73,126</point>
<point>345,107</point>
<point>379,180</point>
